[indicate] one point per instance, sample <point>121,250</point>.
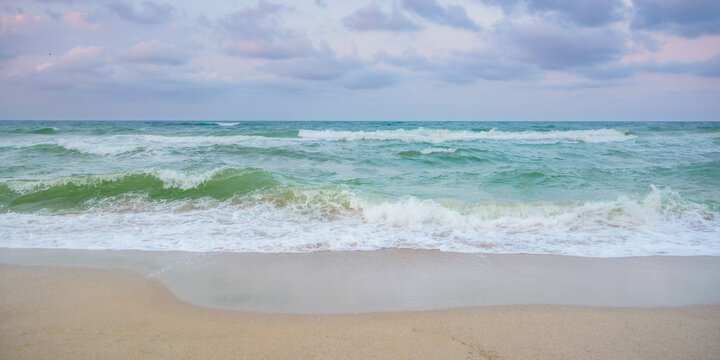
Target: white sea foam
<point>227,123</point>
<point>437,150</point>
<point>661,223</point>
<point>93,148</point>
<point>147,144</point>
<point>195,140</point>
<point>443,135</point>
<point>184,180</point>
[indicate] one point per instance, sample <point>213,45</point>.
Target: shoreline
<point>72,312</point>
<point>401,280</point>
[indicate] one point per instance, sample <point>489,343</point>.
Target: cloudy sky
<point>360,60</point>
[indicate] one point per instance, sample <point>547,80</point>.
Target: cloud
<point>53,15</point>
<point>79,20</point>
<point>76,68</point>
<point>369,79</point>
<point>408,59</point>
<point>258,32</point>
<point>9,38</point>
<point>706,68</point>
<point>78,59</point>
<point>463,67</point>
<point>609,71</point>
<point>326,66</point>
<point>588,13</point>
<point>452,15</point>
<point>554,47</point>
<point>688,18</point>
<point>154,52</point>
<point>467,66</point>
<point>371,17</point>
<point>148,13</point>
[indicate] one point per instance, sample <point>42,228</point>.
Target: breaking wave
<point>256,210</point>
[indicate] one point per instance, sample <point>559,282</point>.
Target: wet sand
<point>402,280</point>
<point>53,312</point>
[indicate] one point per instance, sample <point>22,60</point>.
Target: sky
<point>484,60</point>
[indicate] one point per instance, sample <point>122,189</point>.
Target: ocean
<point>596,189</point>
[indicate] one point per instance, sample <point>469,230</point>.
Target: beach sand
<point>61,312</point>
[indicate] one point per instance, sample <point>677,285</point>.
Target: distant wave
<point>85,147</point>
<point>437,150</point>
<point>114,145</point>
<point>40,131</point>
<point>442,135</point>
<point>427,151</point>
<point>227,123</point>
<point>123,144</point>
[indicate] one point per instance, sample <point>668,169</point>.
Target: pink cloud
<point>79,20</point>
<point>19,19</point>
<point>79,58</point>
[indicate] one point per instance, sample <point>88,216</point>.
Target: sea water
<point>601,189</point>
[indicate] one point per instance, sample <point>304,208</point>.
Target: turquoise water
<point>576,188</point>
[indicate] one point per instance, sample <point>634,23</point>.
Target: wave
<point>427,151</point>
<point>437,150</point>
<point>44,131</point>
<point>442,135</point>
<point>40,131</point>
<point>115,145</point>
<point>125,144</point>
<point>227,123</point>
<point>302,219</point>
<point>84,147</point>
<point>154,185</point>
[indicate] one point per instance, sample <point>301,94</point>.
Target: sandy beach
<point>110,314</point>
<point>63,311</point>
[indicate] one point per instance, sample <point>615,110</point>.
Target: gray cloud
<point>258,32</point>
<point>409,59</point>
<point>317,68</point>
<point>470,65</point>
<point>611,71</point>
<point>705,68</point>
<point>452,15</point>
<point>148,12</point>
<point>554,47</point>
<point>371,17</point>
<point>9,43</point>
<point>369,79</point>
<point>688,18</point>
<point>53,15</point>
<point>709,68</point>
<point>328,68</point>
<point>154,52</point>
<point>580,12</point>
<point>464,66</point>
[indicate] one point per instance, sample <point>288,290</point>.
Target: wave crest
<point>302,219</point>
<point>155,185</point>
